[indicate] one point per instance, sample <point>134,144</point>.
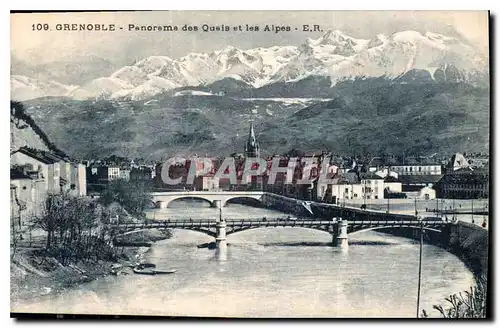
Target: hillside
<point>364,115</point>
<point>391,119</point>
<point>25,132</point>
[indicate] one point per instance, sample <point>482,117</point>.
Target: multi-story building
<point>142,173</point>
<point>104,173</point>
<point>416,166</point>
<point>207,182</point>
<point>27,193</point>
<point>35,174</point>
<point>113,173</point>
<point>79,179</point>
<point>392,184</point>
<point>38,161</point>
<point>464,183</point>
<point>125,173</point>
<point>59,174</point>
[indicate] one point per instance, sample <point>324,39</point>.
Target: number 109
<point>40,27</point>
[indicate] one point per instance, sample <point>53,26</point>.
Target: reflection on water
<point>273,273</point>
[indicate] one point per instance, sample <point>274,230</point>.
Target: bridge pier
<point>161,204</point>
<point>340,239</point>
<point>217,203</point>
<point>221,252</point>
<point>220,239</point>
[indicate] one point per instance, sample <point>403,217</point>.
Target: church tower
<point>252,148</point>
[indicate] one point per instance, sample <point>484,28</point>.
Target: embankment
<point>471,245</point>
<point>286,204</point>
<point>34,275</point>
<point>467,241</point>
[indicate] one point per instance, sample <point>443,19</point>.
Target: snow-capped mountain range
<point>334,54</point>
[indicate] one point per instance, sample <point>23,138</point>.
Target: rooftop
<point>41,155</point>
<point>376,161</point>
<point>391,179</point>
<point>420,179</point>
<point>371,176</point>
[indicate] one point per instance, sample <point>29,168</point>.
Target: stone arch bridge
<point>216,199</point>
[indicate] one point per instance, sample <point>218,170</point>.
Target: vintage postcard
<point>250,164</point>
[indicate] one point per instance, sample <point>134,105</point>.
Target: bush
<point>468,304</point>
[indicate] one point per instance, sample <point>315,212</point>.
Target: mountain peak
<point>229,50</point>
<point>334,37</point>
<point>334,54</point>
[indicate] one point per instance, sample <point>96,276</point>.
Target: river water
<point>278,272</point>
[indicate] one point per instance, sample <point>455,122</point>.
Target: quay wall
<point>285,204</point>
<point>467,241</point>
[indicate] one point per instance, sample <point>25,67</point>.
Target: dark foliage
<point>134,196</point>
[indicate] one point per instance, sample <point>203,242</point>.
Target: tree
<point>75,228</point>
<point>134,196</point>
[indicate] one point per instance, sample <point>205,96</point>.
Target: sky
<point>124,47</point>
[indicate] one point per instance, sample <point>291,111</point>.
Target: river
<point>270,273</point>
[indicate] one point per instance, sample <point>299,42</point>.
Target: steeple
<point>252,148</point>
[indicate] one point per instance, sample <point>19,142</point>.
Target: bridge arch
<point>173,199</point>
<point>251,199</point>
<point>245,228</point>
<point>205,231</point>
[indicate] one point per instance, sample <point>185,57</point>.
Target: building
<point>36,174</point>
<point>28,192</point>
<point>207,182</point>
<point>47,166</point>
<point>415,166</point>
<point>323,189</point>
<point>141,173</point>
<point>79,180</point>
<point>412,183</point>
<point>375,164</point>
<point>464,183</point>
<point>125,174</point>
<point>457,162</point>
<point>372,186</point>
<point>113,173</point>
<point>58,174</point>
<point>392,185</point>
<point>104,173</point>
<point>427,193</point>
<point>477,160</point>
<point>348,186</point>
<point>252,147</point>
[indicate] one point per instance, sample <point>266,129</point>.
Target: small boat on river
<point>151,270</point>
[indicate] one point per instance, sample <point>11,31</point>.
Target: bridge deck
<point>172,224</point>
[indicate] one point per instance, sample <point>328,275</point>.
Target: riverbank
<point>34,275</point>
<point>471,247</point>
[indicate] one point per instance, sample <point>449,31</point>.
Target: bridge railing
<point>276,222</point>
